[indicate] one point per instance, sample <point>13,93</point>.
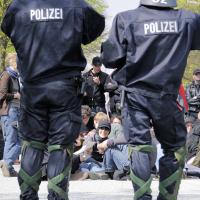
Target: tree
<point>194,56</point>
<point>4,40</point>
<point>6,46</point>
<point>94,48</point>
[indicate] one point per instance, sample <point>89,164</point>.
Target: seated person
<point>94,161</point>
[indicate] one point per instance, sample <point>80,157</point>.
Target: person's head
<point>104,128</point>
<point>189,123</point>
<point>85,113</point>
<point>96,64</point>
<point>100,116</point>
<point>116,119</point>
<point>159,3</point>
<point>11,60</point>
<point>196,75</point>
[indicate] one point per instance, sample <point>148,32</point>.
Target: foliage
<point>194,57</point>
<point>93,49</point>
<point>4,40</point>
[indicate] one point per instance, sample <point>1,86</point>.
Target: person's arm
<point>110,84</point>
<point>111,142</point>
<point>196,39</point>
<point>4,88</point>
<point>114,49</point>
<point>93,25</point>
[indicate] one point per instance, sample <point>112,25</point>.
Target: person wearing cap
<point>193,94</point>
<point>149,47</point>
<point>95,162</point>
<point>94,88</point>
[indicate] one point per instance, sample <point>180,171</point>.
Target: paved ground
<point>99,190</point>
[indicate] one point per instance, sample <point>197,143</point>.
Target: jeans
<point>116,158</point>
<point>91,165</point>
<point>12,145</point>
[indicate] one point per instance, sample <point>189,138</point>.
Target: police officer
<point>149,47</point>
<point>193,94</point>
<point>47,36</point>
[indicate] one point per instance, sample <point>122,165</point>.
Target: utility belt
<point>144,92</point>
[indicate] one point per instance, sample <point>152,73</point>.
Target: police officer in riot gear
<point>193,94</point>
<point>149,47</point>
<point>47,36</point>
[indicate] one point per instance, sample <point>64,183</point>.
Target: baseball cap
<point>104,124</point>
<point>96,61</point>
<point>197,70</point>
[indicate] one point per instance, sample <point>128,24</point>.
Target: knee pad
<point>25,179</point>
<point>143,187</point>
<point>173,180</point>
<point>55,184</point>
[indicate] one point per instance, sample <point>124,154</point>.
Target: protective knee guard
<point>169,187</point>
<point>141,187</point>
<point>58,179</point>
<point>30,172</point>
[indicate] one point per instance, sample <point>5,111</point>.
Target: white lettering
<point>159,1</point>
<point>146,28</point>
<point>32,14</point>
<point>37,14</point>
<point>166,27</point>
<point>161,27</point>
<point>45,14</point>
<point>57,13</point>
<point>51,12</point>
<point>152,28</point>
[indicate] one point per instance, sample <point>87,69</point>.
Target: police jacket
<point>48,35</point>
<point>94,93</point>
<point>149,47</point>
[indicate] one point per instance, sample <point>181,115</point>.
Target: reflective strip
<point>144,187</point>
<point>180,155</point>
<point>54,148</point>
<point>175,177</point>
<point>29,181</point>
<point>142,148</point>
<point>52,183</point>
<point>69,148</point>
<point>34,144</point>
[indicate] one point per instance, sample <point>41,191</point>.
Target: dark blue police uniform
<point>149,47</point>
<point>47,36</point>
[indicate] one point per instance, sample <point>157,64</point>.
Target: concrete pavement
<point>98,190</point>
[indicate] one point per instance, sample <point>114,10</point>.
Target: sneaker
<point>79,176</point>
<point>6,171</point>
<point>120,175</point>
<point>98,176</point>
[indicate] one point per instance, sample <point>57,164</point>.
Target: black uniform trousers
<point>142,109</point>
<point>50,114</point>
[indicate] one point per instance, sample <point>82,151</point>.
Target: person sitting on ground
<point>94,162</point>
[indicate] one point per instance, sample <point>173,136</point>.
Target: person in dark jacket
<point>47,36</point>
<point>94,88</point>
<point>149,47</point>
<point>193,94</point>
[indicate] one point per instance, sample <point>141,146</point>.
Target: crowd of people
<point>61,108</point>
<point>101,150</point>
